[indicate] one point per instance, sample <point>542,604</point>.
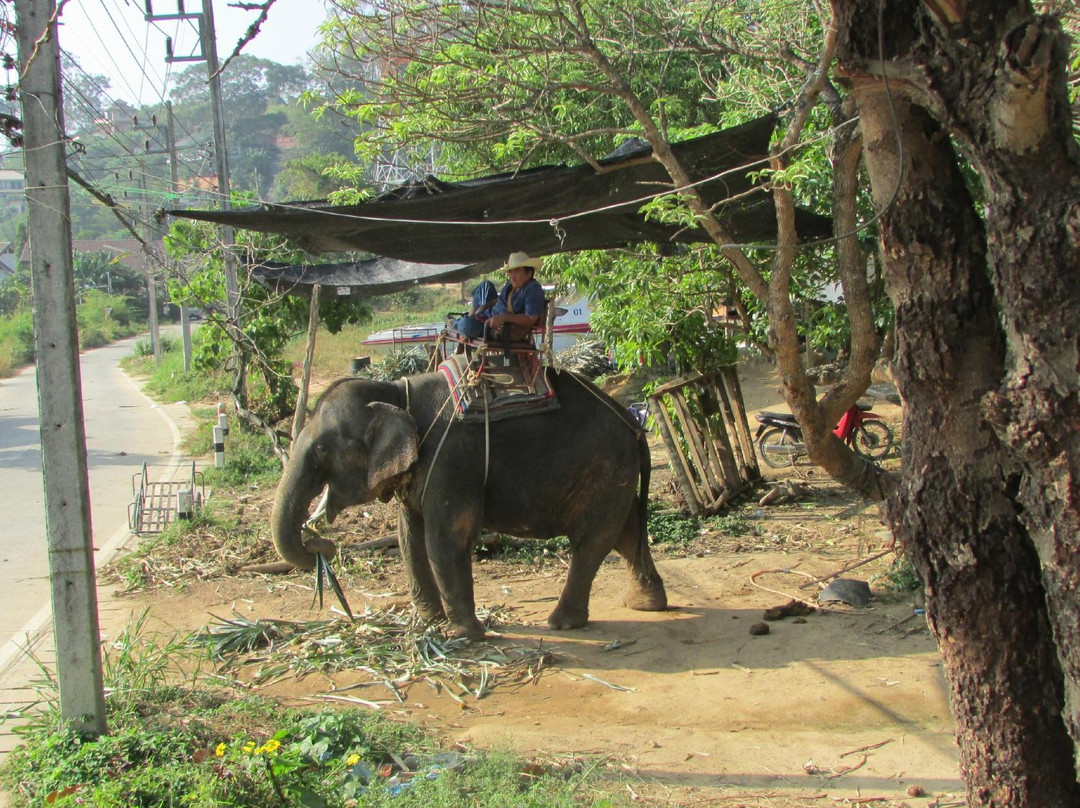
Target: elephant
<point>580,470</point>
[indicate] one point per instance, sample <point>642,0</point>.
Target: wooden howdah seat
<point>493,378</point>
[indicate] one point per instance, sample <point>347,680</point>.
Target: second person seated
<point>519,306</point>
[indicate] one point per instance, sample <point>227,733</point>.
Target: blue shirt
<point>529,299</point>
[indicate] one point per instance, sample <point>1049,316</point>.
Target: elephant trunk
<point>294,495</point>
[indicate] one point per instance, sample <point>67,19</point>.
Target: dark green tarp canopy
<point>473,225</point>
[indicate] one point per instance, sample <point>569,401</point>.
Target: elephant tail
<point>645,462</point>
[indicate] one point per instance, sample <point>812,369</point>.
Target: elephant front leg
<point>451,560</point>
<point>423,590</point>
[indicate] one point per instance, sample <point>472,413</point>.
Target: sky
<point>112,38</point>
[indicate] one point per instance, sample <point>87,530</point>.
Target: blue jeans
<point>469,326</point>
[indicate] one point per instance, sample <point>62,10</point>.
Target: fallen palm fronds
<point>391,645</point>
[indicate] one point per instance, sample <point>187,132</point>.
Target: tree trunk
<point>1029,159</point>
<point>968,508</point>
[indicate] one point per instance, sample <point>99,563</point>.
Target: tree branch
<point>251,32</point>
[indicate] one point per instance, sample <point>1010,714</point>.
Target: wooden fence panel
<point>702,421</point>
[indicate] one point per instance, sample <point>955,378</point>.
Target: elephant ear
<point>393,443</point>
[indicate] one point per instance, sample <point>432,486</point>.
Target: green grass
<point>176,738</point>
<point>101,319</point>
<point>249,458</point>
<point>335,352</point>
<point>517,551</point>
<point>167,380</point>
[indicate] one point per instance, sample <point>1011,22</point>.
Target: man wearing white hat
<point>521,301</point>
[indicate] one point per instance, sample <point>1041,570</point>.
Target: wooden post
<point>300,415</point>
<point>63,436</point>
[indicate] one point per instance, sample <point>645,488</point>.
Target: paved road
<point>124,429</point>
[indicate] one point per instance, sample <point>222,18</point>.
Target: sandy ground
<point>840,707</point>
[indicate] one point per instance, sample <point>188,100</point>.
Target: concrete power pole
<point>63,437</point>
<point>174,179</point>
<point>208,46</point>
<point>228,235</point>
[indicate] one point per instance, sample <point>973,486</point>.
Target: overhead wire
<point>554,221</point>
<point>142,60</point>
<point>122,157</point>
<point>160,87</point>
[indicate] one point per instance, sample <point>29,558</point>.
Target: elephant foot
<point>472,630</point>
<point>432,614</point>
<point>646,600</point>
<point>562,619</point>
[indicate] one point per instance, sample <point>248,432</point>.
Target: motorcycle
<point>780,441</point>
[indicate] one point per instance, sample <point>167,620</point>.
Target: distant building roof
<point>8,174</point>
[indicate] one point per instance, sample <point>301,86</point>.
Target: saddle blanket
<point>498,384</point>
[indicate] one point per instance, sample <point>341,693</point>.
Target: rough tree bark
<point>986,362</point>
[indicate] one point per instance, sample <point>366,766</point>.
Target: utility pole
<point>151,267</point>
<point>228,235</point>
<point>208,43</point>
<point>63,435</point>
<point>174,178</point>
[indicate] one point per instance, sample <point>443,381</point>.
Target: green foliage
<point>102,271</point>
<point>258,92</point>
<point>144,346</point>
<point>168,380</point>
<point>901,575</point>
<point>730,524</point>
<point>672,528</point>
<point>308,177</point>
<point>501,88</point>
<point>16,341</point>
<point>178,740</point>
<point>399,363</point>
<point>15,294</point>
<point>102,319</point>
<point>652,307</point>
<point>517,88</point>
<point>269,322</point>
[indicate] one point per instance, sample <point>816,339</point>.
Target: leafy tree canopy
<point>481,88</point>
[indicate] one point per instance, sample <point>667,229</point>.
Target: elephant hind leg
<point>591,547</point>
<point>646,592</point>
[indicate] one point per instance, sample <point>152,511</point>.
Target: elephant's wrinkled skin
<point>581,471</point>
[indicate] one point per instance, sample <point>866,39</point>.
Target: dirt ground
<point>841,707</point>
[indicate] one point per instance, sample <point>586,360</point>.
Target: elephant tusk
<point>320,511</point>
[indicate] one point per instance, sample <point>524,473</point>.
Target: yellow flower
<point>351,760</point>
<point>249,747</point>
<point>272,745</point>
<point>220,751</point>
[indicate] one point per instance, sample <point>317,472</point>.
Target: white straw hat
<point>522,259</point>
